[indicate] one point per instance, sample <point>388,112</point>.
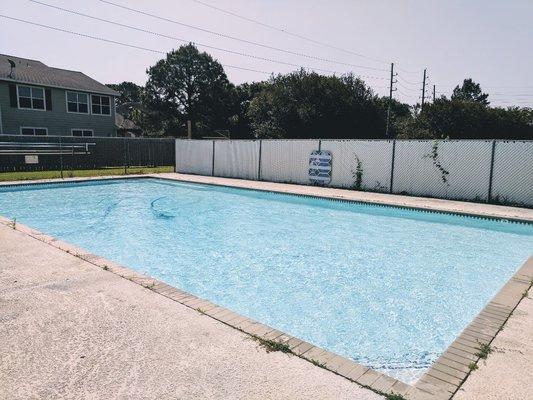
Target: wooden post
<point>189,129</point>
<point>424,89</point>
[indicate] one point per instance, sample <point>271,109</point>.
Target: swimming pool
<point>387,287</point>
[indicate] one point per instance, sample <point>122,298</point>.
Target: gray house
<point>36,99</point>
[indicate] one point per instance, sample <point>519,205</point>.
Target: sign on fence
<point>320,167</point>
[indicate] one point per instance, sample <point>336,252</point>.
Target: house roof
<point>124,123</point>
<point>36,73</point>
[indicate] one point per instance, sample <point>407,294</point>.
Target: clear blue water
<point>387,287</point>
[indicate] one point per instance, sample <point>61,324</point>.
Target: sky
<point>490,41</point>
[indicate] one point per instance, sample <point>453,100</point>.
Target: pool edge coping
<point>342,194</point>
<point>441,381</point>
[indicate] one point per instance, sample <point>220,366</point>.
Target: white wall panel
<point>237,158</point>
<point>375,157</point>
<point>513,172</point>
<point>194,156</point>
<point>286,160</point>
<point>466,161</point>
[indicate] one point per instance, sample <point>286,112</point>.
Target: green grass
<point>394,396</point>
<point>484,351</point>
<point>271,345</point>
<point>31,175</point>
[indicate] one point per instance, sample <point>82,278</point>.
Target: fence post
<point>392,164</point>
<point>491,174</point>
<point>61,155</point>
<point>259,164</point>
<point>213,161</point>
<point>319,144</point>
<point>124,142</point>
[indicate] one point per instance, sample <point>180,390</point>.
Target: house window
<point>31,131</point>
<point>82,132</point>
<point>31,97</point>
<point>77,103</point>
<point>100,105</point>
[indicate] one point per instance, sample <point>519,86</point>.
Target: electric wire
<point>114,41</point>
<point>237,38</point>
<point>287,32</point>
<point>138,29</point>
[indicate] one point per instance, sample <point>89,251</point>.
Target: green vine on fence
<point>358,174</point>
<point>434,155</point>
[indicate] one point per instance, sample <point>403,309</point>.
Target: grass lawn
<point>30,175</point>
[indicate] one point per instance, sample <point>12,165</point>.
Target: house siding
<point>57,120</point>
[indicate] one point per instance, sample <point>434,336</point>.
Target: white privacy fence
<point>479,170</point>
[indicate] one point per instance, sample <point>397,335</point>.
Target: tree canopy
<point>470,91</point>
<point>190,85</point>
<point>308,105</point>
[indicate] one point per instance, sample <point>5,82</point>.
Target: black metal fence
<point>45,153</point>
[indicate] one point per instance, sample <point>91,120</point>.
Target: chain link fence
<point>473,170</point>
<point>59,153</point>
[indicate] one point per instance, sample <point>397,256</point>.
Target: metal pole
<point>259,164</point>
<point>491,174</point>
<point>125,171</point>
<point>392,164</point>
<point>433,93</point>
<point>213,161</point>
<point>61,155</point>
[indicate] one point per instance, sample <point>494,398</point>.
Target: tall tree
<point>309,105</point>
<point>470,91</point>
<point>240,124</point>
<point>129,98</point>
<point>188,85</point>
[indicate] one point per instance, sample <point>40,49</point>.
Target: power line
<point>285,31</point>
<point>408,88</point>
<point>111,41</point>
<point>409,71</point>
<point>409,82</point>
<point>407,94</point>
<point>136,28</point>
<point>114,41</point>
<point>179,39</point>
<point>237,38</point>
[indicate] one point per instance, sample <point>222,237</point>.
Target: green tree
<point>459,119</point>
<point>308,105</point>
<point>470,91</point>
<point>242,96</point>
<point>187,85</point>
<point>129,102</point>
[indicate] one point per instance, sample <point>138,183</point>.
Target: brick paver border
<point>440,382</point>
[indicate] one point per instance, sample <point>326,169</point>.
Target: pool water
<point>387,287</point>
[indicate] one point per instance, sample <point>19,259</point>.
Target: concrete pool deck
<point>448,373</point>
<point>72,330</point>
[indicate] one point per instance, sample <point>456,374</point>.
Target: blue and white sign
<point>320,167</point>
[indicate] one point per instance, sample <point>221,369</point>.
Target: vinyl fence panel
<point>194,156</point>
<point>512,180</point>
<point>373,156</point>
<point>457,169</point>
<point>237,158</point>
<point>286,160</point>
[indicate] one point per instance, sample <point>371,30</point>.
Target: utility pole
<point>433,93</point>
<point>189,129</point>
<point>392,82</point>
<point>424,88</point>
